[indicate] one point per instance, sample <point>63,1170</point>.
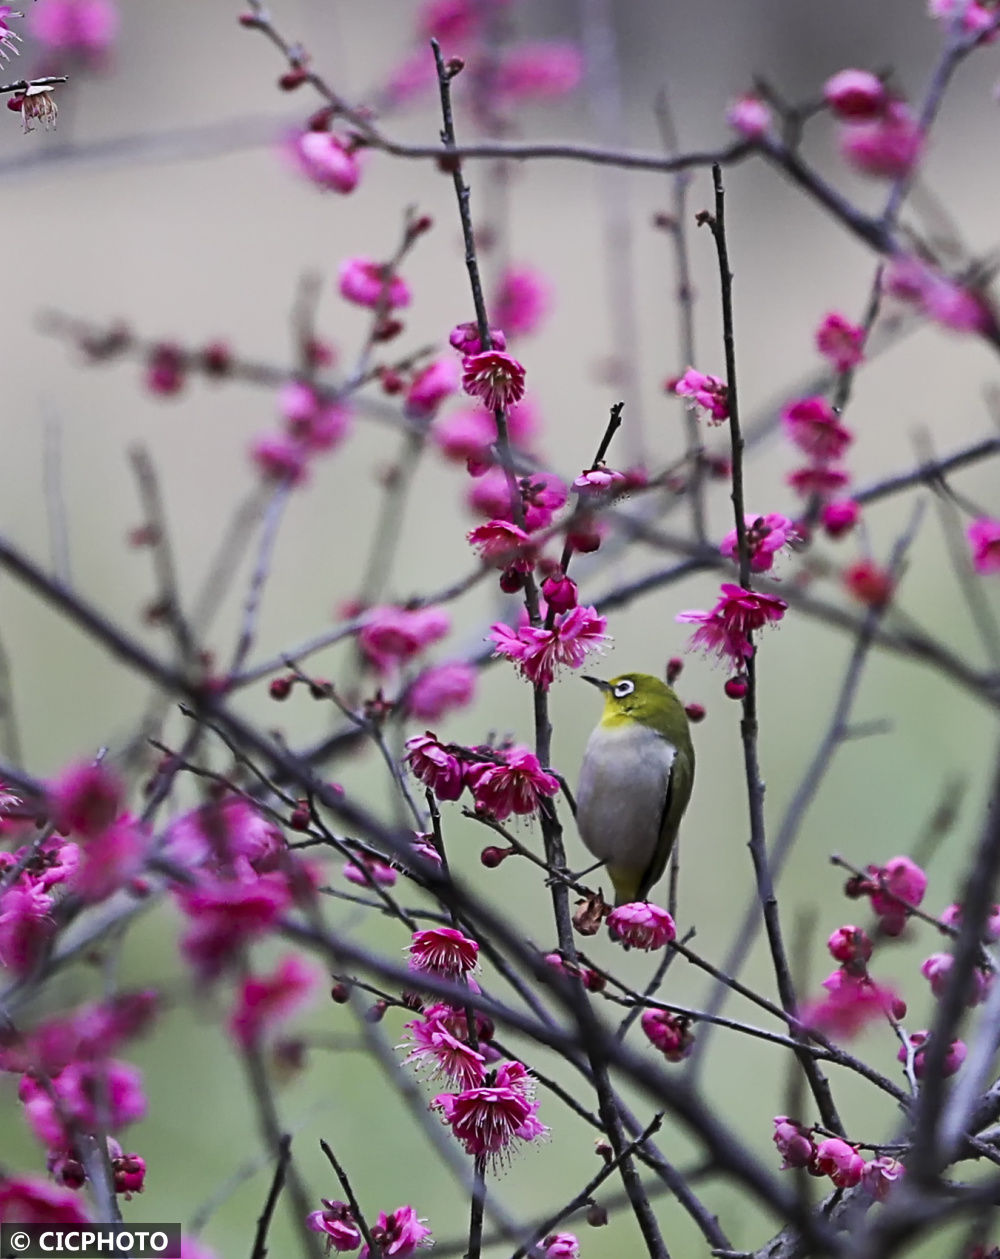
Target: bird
<point>635,781</point>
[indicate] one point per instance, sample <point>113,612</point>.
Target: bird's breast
<point>621,793</point>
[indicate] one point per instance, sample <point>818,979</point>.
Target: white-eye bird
<point>635,781</point>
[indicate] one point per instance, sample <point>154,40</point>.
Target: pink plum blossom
<point>642,925</point>
<point>707,392</point>
<point>392,636</point>
<point>436,1047</point>
<point>434,766</point>
<point>725,630</point>
<point>489,1120</point>
<point>515,786</point>
<point>852,1002</point>
<point>839,517</point>
<point>561,1246</point>
<point>670,1033</point>
<point>880,1174</point>
<point>223,915</point>
<point>369,283</point>
<point>464,337</point>
<point>280,458</point>
<point>946,301</point>
<point>429,388</point>
<point>495,378</point>
<point>440,689</point>
<point>819,480</point>
<point>94,1096</point>
<point>326,159</point>
<point>84,27</point>
<point>26,925</point>
<point>766,535</point>
<point>312,422</point>
<point>886,147</point>
<point>852,947</point>
<point>266,1000</point>
<point>841,342</point>
<point>953,1059</point>
<point>750,116</point>
<point>398,1235</point>
<point>32,1200</point>
<point>537,653</point>
<point>977,15</point>
<point>521,301</point>
<point>937,968</point>
<point>840,1161</point>
<point>443,951</point>
<point>367,870</point>
<point>85,799</point>
<point>984,539</point>
<point>893,889</point>
<point>538,71</point>
<point>856,95</point>
<point>338,1225</point>
<point>794,1142</point>
<point>501,543</point>
<point>813,426</point>
<point>952,917</point>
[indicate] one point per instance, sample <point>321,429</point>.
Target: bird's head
<point>643,699</point>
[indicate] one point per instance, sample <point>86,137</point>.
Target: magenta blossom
<point>435,766</point>
<point>562,1246</point>
<point>429,388</point>
<point>337,1223</point>
<point>32,1200</point>
<point>489,1120</point>
<point>670,1033</point>
<point>538,652</point>
<point>818,480</point>
<point>643,925</point>
<point>856,95</point>
<point>813,426</point>
<point>708,392</point>
<point>937,968</point>
<point>840,1161</point>
<point>984,539</point>
<point>326,159</point>
<point>516,786</point>
<point>85,800</point>
<point>948,302</point>
<point>953,1059</point>
<point>839,517</point>
<point>852,1002</point>
<point>85,27</point>
<point>952,917</point>
<point>464,337</point>
<point>440,689</point>
<point>94,1096</point>
<point>280,458</point>
<point>886,147</point>
<point>495,378</point>
<point>841,342</point>
<point>794,1142</point>
<point>766,535</point>
<point>392,636</point>
<point>521,301</point>
<point>443,951</point>
<point>725,630</point>
<point>399,1235</point>
<point>880,1174</point>
<point>501,543</point>
<point>367,870</point>
<point>750,116</point>
<point>437,1048</point>
<point>538,71</point>
<point>312,422</point>
<point>263,1001</point>
<point>369,283</point>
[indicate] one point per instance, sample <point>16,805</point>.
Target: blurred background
<point>164,200</point>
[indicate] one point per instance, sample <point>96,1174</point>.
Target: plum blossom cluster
<point>72,1085</point>
<point>814,428</point>
<point>766,536</point>
<point>670,1033</point>
<point>538,651</point>
<point>853,999</point>
<point>879,134</point>
<point>725,631</point>
<point>835,1158</point>
<point>951,303</point>
<point>642,925</point>
<point>893,891</point>
<point>505,74</point>
<point>502,781</point>
<point>704,393</point>
<point>492,1120</point>
<point>400,1233</point>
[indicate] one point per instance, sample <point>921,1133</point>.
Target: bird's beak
<point>598,682</point>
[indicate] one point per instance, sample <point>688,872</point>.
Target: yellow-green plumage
<point>635,781</point>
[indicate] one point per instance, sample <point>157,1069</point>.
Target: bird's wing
<point>680,779</point>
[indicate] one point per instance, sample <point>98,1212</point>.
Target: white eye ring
<point>624,688</point>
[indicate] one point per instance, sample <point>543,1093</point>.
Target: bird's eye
<point>624,688</point>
